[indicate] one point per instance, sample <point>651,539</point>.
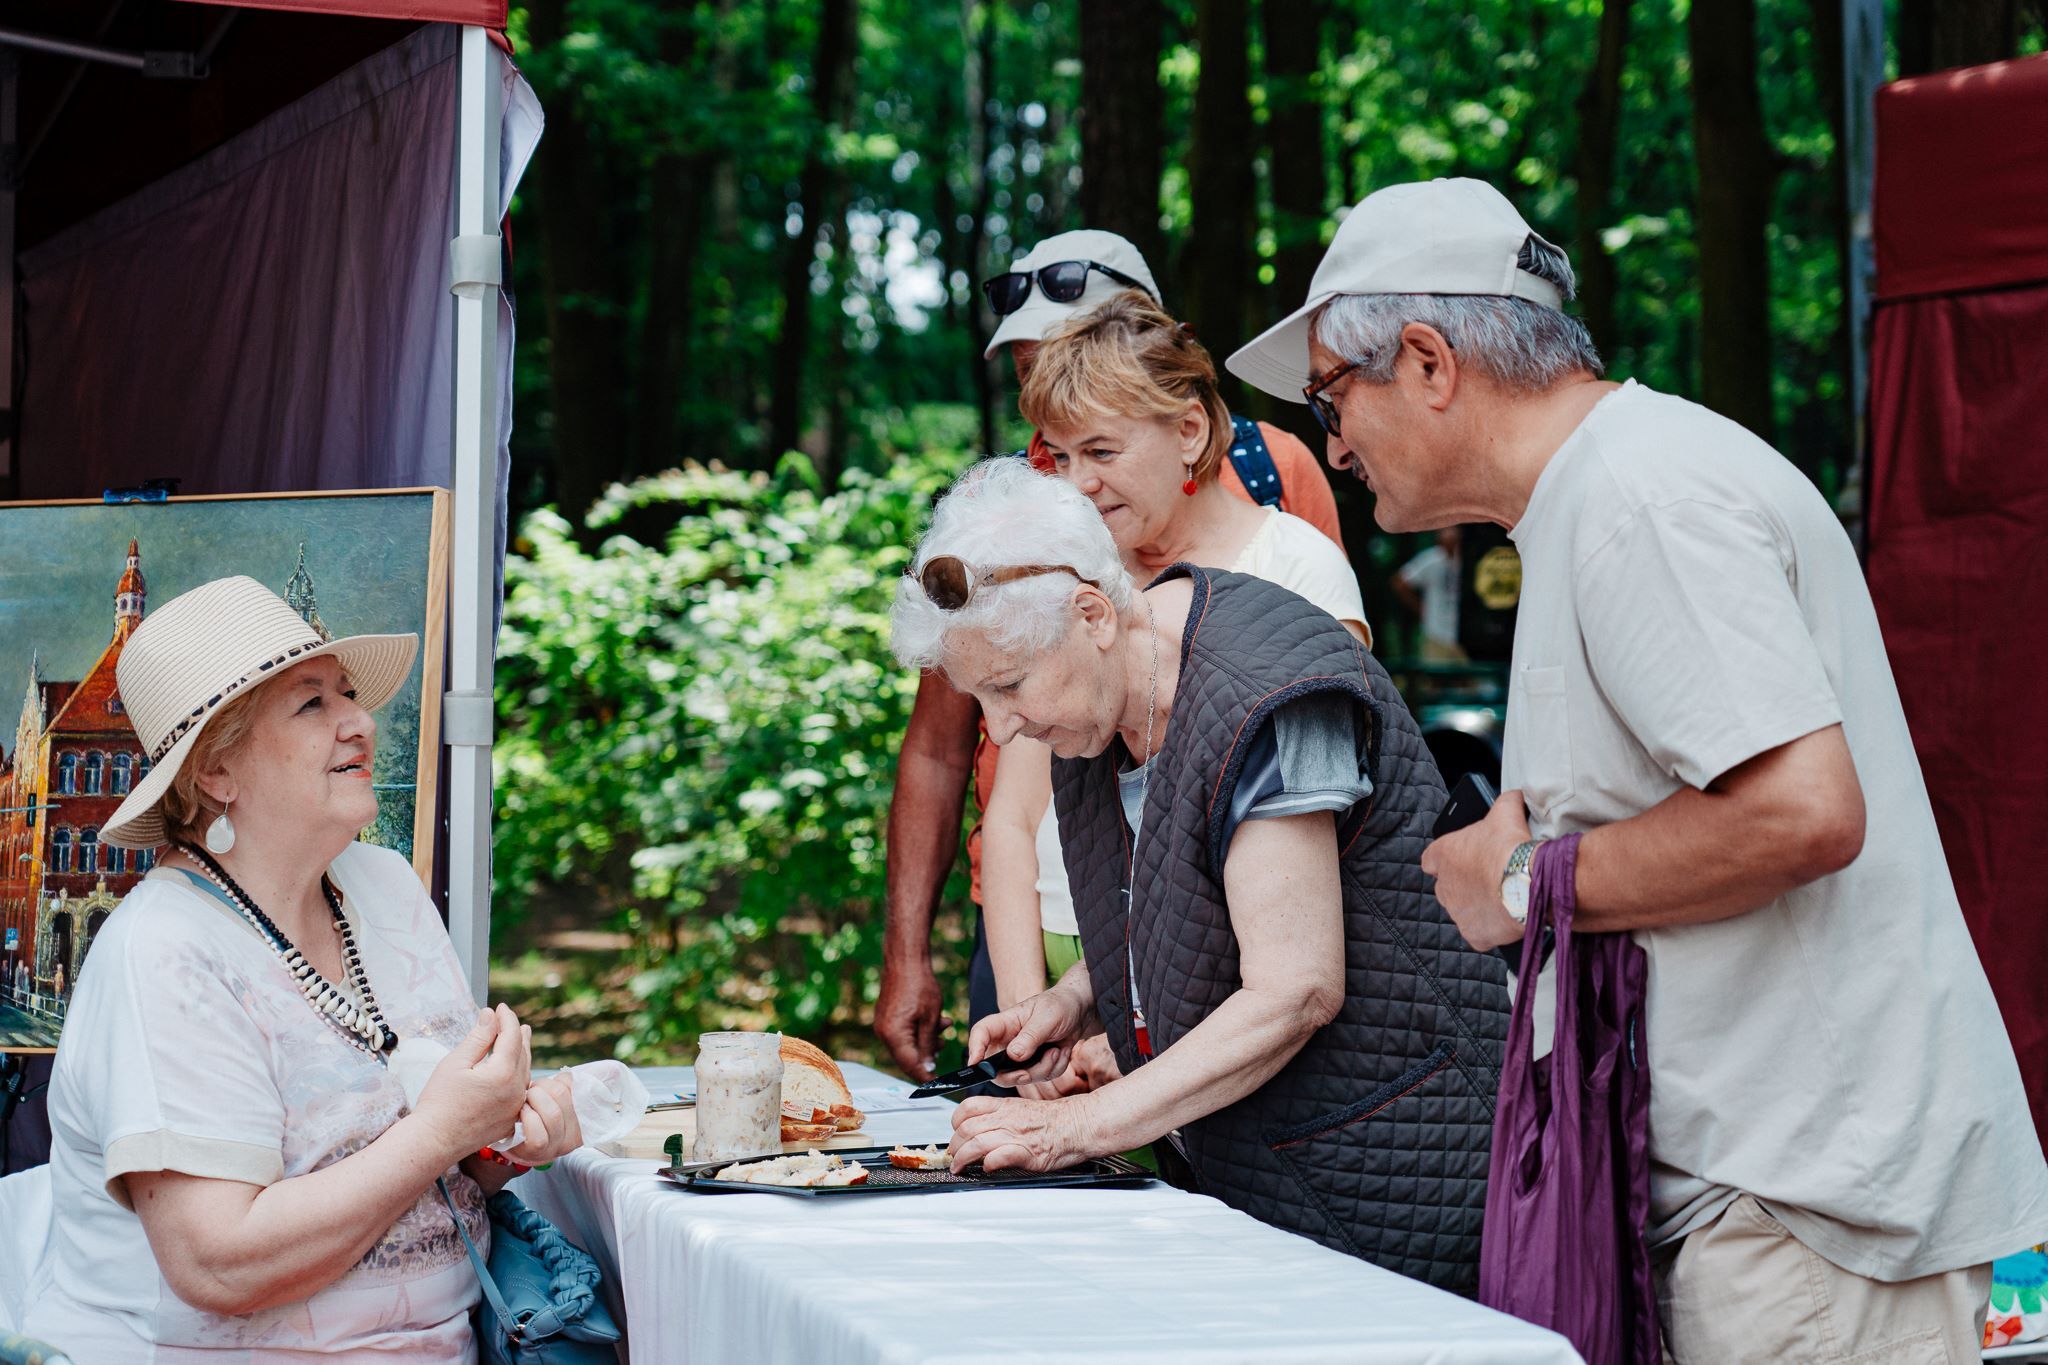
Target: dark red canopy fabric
<point>1957,496</point>
<point>489,13</point>
<point>1962,200</point>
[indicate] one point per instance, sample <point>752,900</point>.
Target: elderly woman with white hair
<point>1242,798</point>
<point>239,1170</point>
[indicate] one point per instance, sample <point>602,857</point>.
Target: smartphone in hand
<point>1470,800</point>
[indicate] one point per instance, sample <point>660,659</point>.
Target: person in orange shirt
<point>945,747</point>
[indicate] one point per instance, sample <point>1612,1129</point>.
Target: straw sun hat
<point>201,650</point>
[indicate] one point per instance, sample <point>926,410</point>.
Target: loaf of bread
<point>812,1081</point>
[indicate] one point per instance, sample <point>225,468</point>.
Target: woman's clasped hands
<point>484,1086</point>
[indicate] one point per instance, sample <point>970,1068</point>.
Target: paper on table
<point>888,1102</point>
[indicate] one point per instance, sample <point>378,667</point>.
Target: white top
<point>1294,554</point>
<point>1689,602</point>
<point>1286,551</point>
<point>1433,575</point>
<point>1126,1277</point>
<point>188,1048</point>
<point>1055,898</point>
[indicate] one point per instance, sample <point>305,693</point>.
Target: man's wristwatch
<point>1514,883</point>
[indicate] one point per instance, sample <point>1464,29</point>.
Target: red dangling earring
<point>1188,485</point>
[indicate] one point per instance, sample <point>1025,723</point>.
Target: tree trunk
<point>831,73</point>
<point>981,18</point>
<point>1935,35</point>
<point>1052,175</point>
<point>580,291</point>
<point>1221,184</point>
<point>1294,142</point>
<point>946,207</point>
<point>1599,129</point>
<point>1828,40</point>
<point>676,222</point>
<point>1120,132</point>
<point>1736,174</point>
<point>718,379</point>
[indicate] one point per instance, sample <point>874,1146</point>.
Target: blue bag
<point>540,1292</point>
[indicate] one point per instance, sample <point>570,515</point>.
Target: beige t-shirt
<point>188,1048</point>
<point>1689,602</point>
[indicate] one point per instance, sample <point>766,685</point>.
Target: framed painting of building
<point>77,578</point>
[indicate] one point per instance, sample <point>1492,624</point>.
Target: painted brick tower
<point>75,758</point>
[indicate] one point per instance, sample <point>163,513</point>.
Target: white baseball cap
<point>1040,315</point>
<point>1430,237</point>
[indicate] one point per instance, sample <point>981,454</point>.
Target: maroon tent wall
<point>1957,495</point>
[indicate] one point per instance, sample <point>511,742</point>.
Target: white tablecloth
<point>1152,1274</point>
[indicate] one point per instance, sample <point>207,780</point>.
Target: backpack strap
<point>1254,463</point>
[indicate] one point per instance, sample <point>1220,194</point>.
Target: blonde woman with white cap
<point>237,1170</point>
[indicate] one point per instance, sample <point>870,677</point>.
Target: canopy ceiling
<point>489,13</point>
<point>112,130</point>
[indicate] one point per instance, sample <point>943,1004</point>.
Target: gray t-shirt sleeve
<point>1695,635</point>
<point>1308,756</point>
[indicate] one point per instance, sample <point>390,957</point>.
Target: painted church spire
<point>298,595</point>
<point>131,596</point>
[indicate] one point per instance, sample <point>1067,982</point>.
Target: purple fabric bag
<point>1568,1190</point>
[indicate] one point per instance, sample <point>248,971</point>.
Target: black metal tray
<point>1105,1172</point>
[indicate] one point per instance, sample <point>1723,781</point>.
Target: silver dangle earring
<point>220,835</point>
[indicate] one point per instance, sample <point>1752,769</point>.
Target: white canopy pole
<point>466,712</point>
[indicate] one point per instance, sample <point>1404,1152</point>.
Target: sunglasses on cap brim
<point>951,582</point>
<point>1062,282</point>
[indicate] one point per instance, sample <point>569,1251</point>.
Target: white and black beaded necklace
<point>362,1023</point>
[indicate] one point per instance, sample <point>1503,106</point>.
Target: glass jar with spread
<point>739,1096</point>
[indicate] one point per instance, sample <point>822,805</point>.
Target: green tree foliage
<point>652,242</point>
<point>699,716</point>
<point>700,734</point>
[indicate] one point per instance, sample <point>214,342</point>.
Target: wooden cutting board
<point>644,1143</point>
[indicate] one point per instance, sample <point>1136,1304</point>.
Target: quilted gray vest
<point>1374,1138</point>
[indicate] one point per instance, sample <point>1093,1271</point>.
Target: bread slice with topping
<point>933,1158</point>
<point>802,1169</point>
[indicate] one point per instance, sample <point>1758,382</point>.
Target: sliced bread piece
<point>933,1158</point>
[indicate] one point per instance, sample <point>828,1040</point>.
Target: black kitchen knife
<point>980,1073</point>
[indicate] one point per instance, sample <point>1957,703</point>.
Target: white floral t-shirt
<point>187,1048</point>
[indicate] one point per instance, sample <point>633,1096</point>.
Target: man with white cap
<point>1839,1146</point>
<point>944,745</point>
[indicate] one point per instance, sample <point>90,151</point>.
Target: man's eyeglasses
<point>1062,282</point>
<point>951,583</point>
<point>1319,401</point>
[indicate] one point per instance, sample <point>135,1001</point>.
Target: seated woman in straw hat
<point>236,1168</point>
